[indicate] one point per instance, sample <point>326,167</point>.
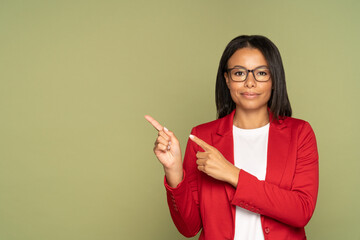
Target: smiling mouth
<point>250,95</point>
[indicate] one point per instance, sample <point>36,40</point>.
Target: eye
<point>262,73</point>
<point>239,73</point>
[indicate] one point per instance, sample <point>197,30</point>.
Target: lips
<point>250,95</point>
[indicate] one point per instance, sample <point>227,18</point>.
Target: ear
<point>227,79</point>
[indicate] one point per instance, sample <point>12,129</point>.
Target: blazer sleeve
<point>183,201</point>
<point>293,206</point>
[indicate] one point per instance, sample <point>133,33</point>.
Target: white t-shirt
<point>250,154</point>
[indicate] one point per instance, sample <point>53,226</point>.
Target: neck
<point>250,119</point>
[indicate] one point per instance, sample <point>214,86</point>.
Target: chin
<point>251,107</point>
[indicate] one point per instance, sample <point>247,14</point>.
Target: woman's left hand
<point>214,164</point>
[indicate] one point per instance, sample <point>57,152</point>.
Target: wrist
<point>174,176</point>
<point>174,168</point>
<point>234,176</point>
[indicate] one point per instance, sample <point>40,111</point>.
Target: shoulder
<point>294,122</point>
<point>219,126</point>
<point>208,126</point>
<point>304,137</point>
<point>299,127</point>
<point>206,130</point>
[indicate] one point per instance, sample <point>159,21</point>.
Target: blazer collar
<point>226,124</point>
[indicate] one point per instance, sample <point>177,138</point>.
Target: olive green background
<point>77,77</point>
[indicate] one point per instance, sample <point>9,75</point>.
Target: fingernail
<point>166,130</point>
<point>191,136</point>
<point>169,143</point>
<point>168,147</point>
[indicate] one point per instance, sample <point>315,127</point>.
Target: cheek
<point>233,87</point>
<point>268,92</point>
<point>269,89</point>
<point>234,91</point>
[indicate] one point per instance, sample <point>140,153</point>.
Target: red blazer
<point>285,200</point>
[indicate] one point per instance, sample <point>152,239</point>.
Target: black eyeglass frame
<point>247,73</point>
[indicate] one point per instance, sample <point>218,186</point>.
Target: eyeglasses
<point>240,74</point>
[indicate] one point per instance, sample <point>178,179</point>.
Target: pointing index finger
<point>201,143</point>
<point>153,122</point>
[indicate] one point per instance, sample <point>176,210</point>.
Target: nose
<point>250,81</point>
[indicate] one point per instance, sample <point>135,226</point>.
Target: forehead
<point>247,57</point>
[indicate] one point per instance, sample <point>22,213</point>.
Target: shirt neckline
<point>259,130</point>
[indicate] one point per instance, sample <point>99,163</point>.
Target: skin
<point>167,150</point>
<point>251,99</point>
<point>251,111</point>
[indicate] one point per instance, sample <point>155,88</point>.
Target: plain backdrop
<point>77,77</point>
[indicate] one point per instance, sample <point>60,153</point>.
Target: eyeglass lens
<point>261,74</point>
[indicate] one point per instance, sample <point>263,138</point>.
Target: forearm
<point>291,206</point>
<point>183,206</point>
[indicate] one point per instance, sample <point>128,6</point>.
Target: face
<point>249,95</point>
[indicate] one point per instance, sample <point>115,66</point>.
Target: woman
<point>253,172</point>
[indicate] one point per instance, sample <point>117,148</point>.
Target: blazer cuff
<point>246,184</point>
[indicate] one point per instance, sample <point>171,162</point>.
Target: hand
<point>214,164</point>
<point>168,152</point>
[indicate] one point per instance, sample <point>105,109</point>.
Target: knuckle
<point>165,136</point>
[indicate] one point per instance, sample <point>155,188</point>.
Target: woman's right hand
<point>167,150</point>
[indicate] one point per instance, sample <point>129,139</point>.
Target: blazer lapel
<point>222,140</point>
<point>278,149</point>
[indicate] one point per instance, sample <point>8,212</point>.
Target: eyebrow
<point>239,66</point>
